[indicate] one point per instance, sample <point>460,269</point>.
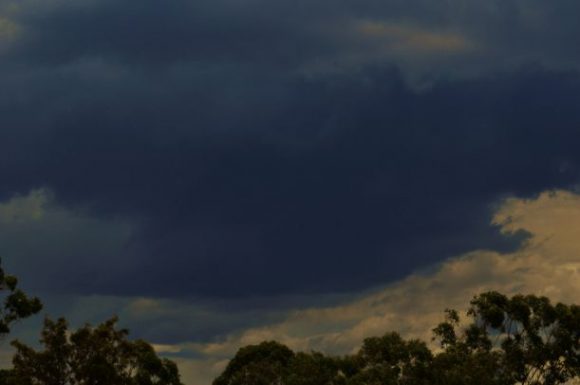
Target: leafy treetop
<point>100,355</point>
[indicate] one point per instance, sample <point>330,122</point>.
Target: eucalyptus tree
<point>519,340</point>
<point>523,340</point>
<point>101,355</point>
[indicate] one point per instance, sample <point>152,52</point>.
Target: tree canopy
<point>519,340</point>
<point>100,355</point>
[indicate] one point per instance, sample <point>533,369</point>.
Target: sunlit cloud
<point>164,349</point>
<point>547,264</point>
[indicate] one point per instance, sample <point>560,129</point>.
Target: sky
<point>222,172</point>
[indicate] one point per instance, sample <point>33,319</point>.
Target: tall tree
<point>522,339</point>
<point>467,358</point>
<point>99,355</point>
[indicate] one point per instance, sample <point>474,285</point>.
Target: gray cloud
<point>53,249</point>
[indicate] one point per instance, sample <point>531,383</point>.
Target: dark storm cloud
<point>352,182</point>
<point>294,35</point>
<point>245,172</point>
<point>152,33</point>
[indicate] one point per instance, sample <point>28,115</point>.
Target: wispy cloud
<point>411,39</point>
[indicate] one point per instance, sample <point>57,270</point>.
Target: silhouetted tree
<point>523,339</point>
<point>468,358</point>
<point>520,340</point>
<point>314,369</point>
<point>265,364</point>
<point>17,304</point>
<point>392,360</point>
<point>99,355</point>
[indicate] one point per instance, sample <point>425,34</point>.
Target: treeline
<point>519,340</point>
<point>523,340</point>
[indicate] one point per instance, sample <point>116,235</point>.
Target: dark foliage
<point>99,355</point>
<point>17,304</point>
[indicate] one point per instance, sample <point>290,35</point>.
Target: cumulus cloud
<point>547,264</point>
